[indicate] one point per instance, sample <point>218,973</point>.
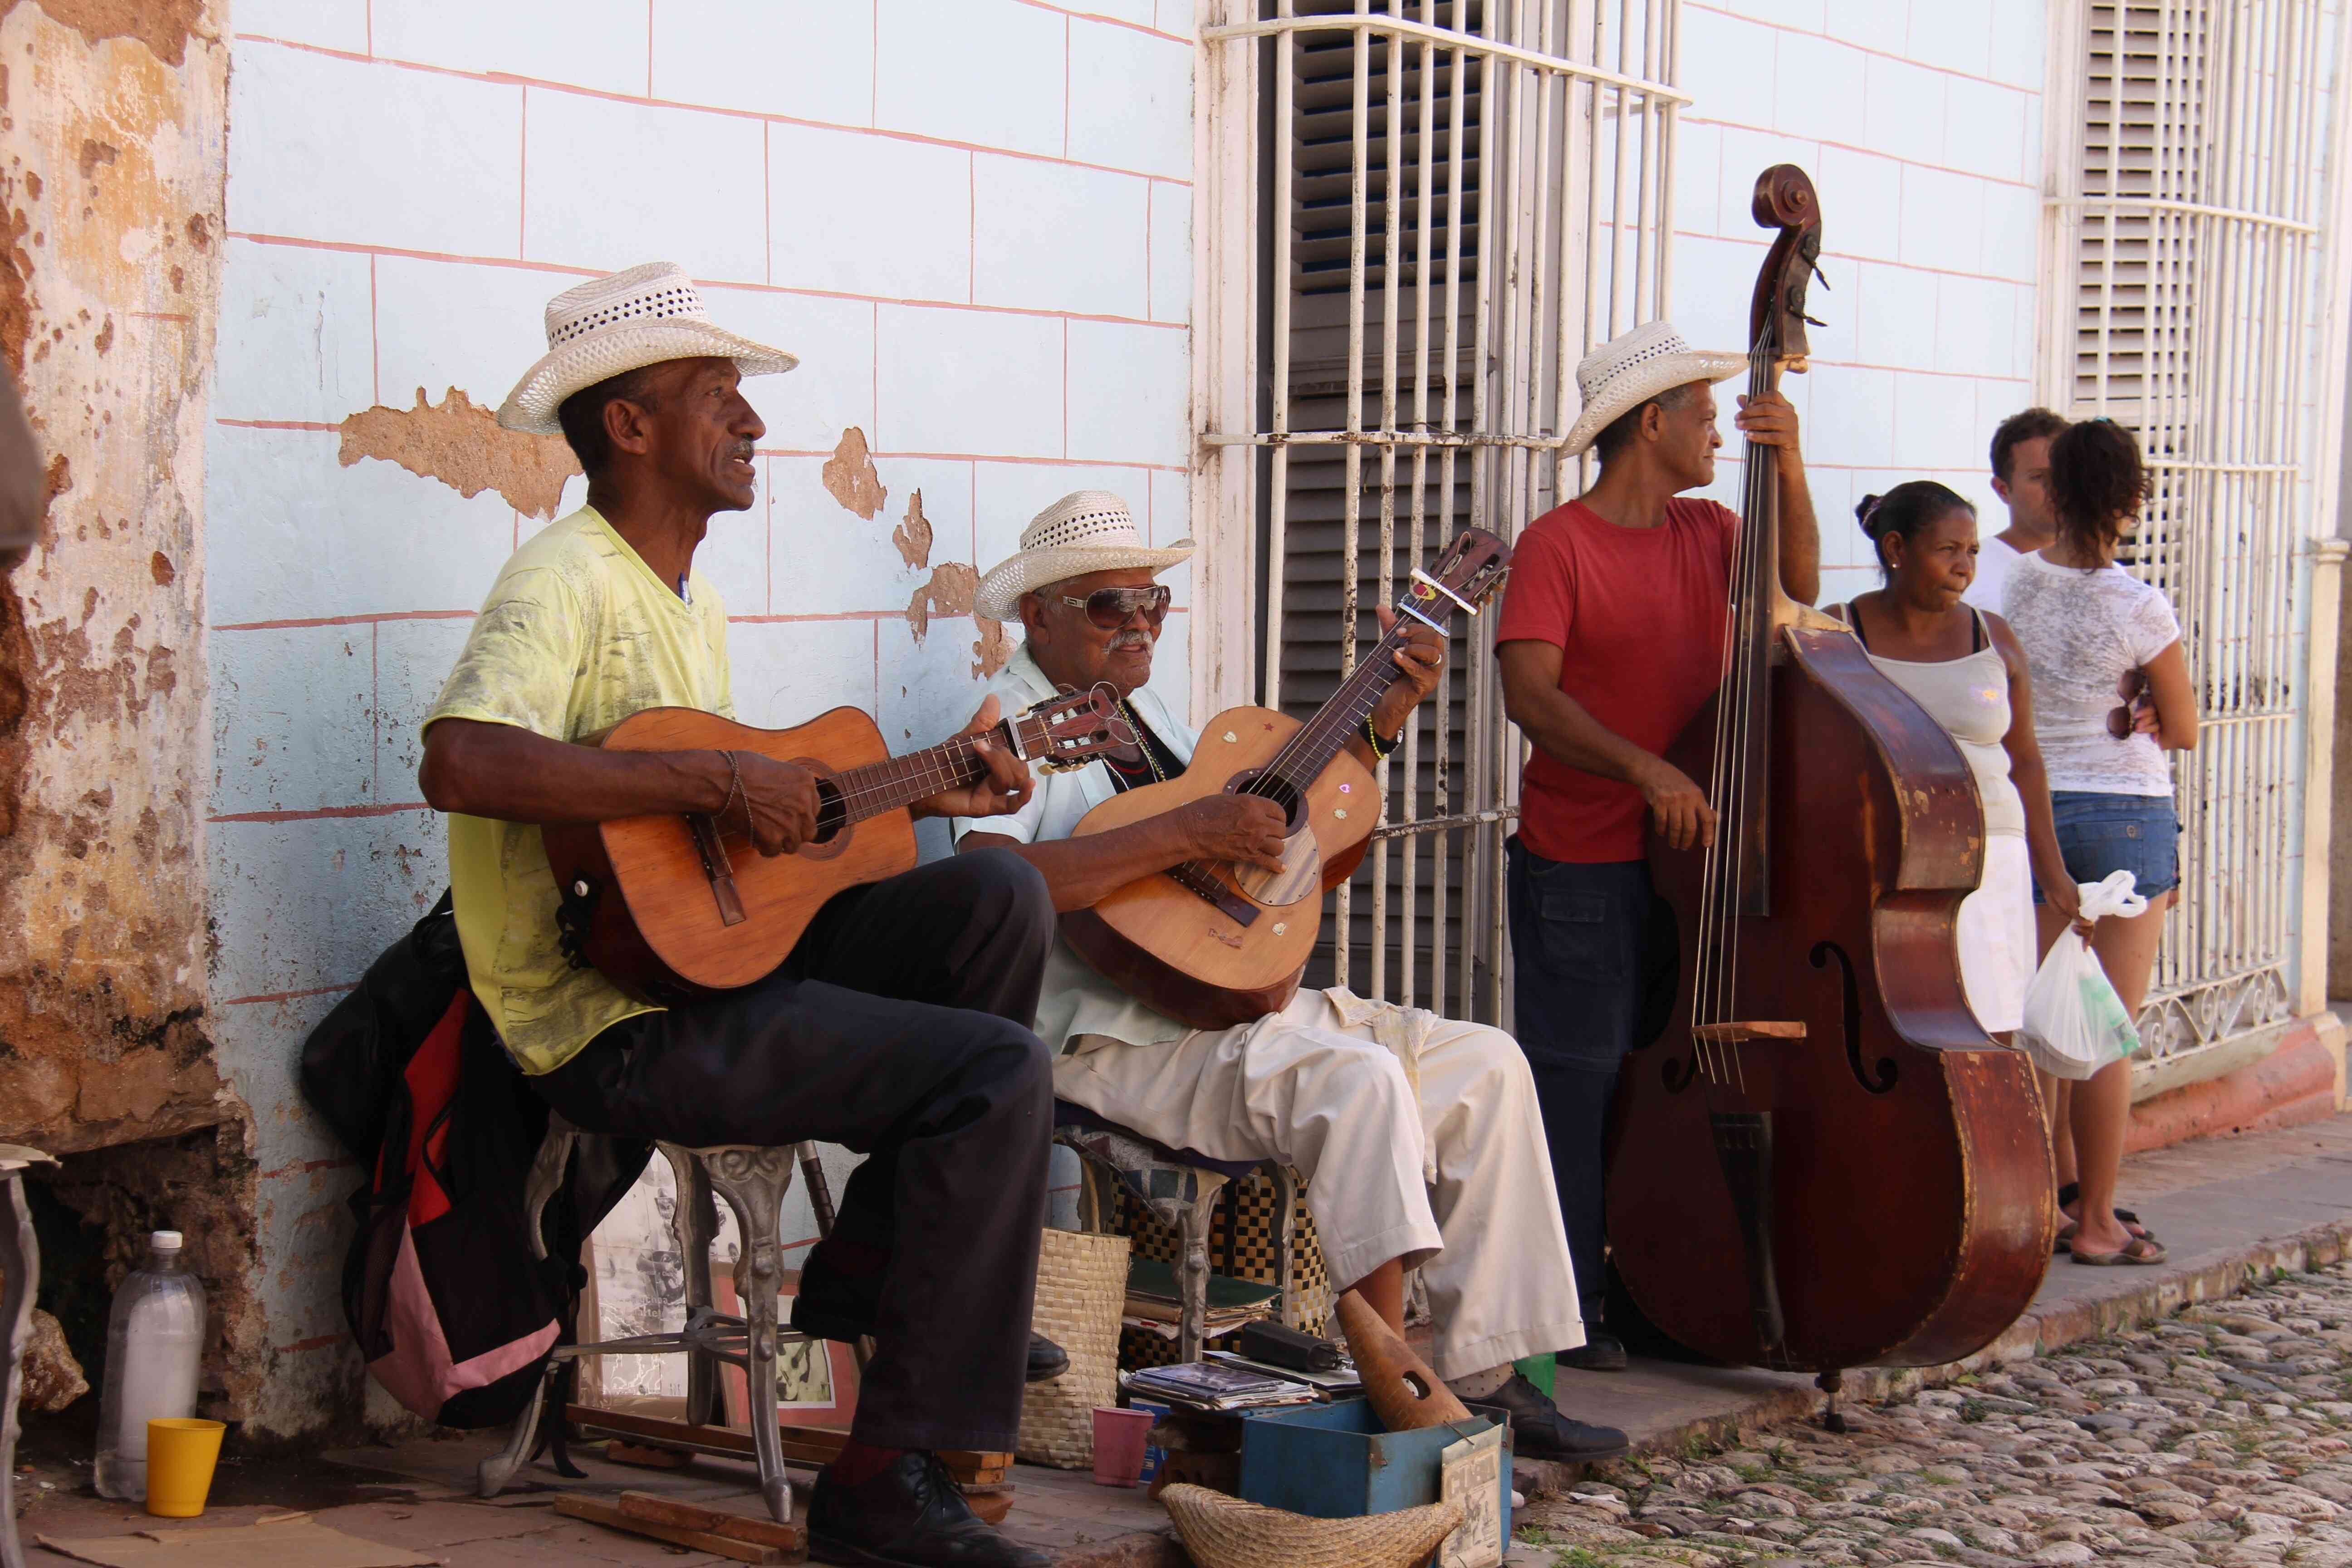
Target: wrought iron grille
<point>1455,199</point>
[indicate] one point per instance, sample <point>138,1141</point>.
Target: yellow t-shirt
<point>577,634</point>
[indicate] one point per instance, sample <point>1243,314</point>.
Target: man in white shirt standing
<point>2021,478</point>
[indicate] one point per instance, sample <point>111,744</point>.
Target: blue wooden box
<point>1336,1461</point>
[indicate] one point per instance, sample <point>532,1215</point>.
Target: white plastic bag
<point>2075,1023</point>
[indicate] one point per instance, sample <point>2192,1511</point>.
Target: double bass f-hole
<point>1881,1077</point>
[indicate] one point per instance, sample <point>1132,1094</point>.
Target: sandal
<point>2066,1242</point>
<point>2073,1192</point>
<point>2140,1250</point>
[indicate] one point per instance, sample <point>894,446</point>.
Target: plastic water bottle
<point>154,1340</point>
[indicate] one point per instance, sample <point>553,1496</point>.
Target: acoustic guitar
<point>1215,943</point>
<point>675,906</point>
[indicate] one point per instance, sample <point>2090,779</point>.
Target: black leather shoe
<point>909,1516</point>
<point>1046,1360</point>
<point>1539,1431</point>
<point>1600,1352</point>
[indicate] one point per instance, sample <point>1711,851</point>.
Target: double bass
<point>1823,1162</point>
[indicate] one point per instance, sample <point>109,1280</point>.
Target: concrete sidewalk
<point>2223,1207</point>
<point>2228,1209</point>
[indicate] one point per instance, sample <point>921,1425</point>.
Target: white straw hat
<point>1085,531</point>
<point>620,322</point>
<point>1632,368</point>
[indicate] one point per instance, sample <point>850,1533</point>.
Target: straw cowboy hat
<point>619,322</point>
<point>1629,370</point>
<point>1085,531</point>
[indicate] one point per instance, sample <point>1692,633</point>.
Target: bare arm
<point>1772,421</point>
<point>511,774</point>
<point>1082,872</point>
<point>2175,700</point>
<point>2025,770</point>
<point>1559,726</point>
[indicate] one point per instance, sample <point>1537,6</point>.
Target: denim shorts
<point>2102,834</point>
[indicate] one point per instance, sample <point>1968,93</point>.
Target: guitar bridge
<point>719,869</point>
<point>1196,880</point>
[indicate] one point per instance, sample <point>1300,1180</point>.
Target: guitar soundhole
<point>832,812</point>
<point>1293,803</point>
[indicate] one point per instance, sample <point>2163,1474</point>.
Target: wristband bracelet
<point>1380,749</point>
<point>734,790</point>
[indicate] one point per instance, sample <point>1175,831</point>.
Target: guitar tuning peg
<point>1815,321</point>
<point>1819,275</point>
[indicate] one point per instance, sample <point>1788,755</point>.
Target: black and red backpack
<point>452,1313</point>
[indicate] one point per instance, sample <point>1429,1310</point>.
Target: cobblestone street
<point>2223,1435</point>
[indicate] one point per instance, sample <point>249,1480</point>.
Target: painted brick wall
<point>1920,121</point>
<point>971,220</point>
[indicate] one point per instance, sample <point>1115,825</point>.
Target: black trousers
<point>1586,991</point>
<point>899,1027</point>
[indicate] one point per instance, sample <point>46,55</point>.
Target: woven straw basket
<point>1081,1290</point>
<point>1222,1532</point>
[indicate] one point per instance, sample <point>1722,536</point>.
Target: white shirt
<point>2082,632</point>
<point>1987,590</point>
<point>1076,1002</point>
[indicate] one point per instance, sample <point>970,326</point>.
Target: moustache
<point>743,451</point>
<point>1129,642</point>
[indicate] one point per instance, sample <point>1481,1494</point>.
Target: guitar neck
<point>1310,751</point>
<point>892,785</point>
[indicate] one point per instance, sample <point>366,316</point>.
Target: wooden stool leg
<point>1192,1270</point>
<point>1285,1220</point>
<point>492,1474</point>
<point>694,1221</point>
<point>546,1179</point>
<point>21,1258</point>
<point>754,1182</point>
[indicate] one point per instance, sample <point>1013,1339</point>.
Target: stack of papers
<point>1206,1385</point>
<point>1340,1379</point>
<point>1154,1300</point>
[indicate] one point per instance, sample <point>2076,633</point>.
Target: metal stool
<point>20,1259</point>
<point>753,1181</point>
<point>1180,1187</point>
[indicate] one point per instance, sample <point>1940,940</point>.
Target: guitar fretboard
<point>901,782</point>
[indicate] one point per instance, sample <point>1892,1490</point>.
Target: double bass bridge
<point>1741,1034</point>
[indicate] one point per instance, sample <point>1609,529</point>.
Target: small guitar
<point>674,906</point>
<point>1213,944</point>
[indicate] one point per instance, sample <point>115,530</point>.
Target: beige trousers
<point>1419,1139</point>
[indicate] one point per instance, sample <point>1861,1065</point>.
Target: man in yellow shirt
<point>899,1025</point>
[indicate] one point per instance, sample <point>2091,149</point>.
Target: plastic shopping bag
<point>2075,1023</point>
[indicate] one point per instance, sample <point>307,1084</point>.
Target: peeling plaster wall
<point>111,117</point>
<point>888,188</point>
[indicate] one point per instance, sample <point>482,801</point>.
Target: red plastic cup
<point>1120,1437</point>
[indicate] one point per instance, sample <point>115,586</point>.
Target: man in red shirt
<point>1611,640</point>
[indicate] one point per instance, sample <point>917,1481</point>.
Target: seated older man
<point>1420,1137</point>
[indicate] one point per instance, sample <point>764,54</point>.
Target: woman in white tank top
<point>1965,668</point>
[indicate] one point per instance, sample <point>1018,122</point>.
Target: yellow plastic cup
<point>181,1454</point>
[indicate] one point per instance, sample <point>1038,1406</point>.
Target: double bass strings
<point>1716,981</point>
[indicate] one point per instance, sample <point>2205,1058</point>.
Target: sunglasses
<point>1112,608</point>
<point>2131,687</point>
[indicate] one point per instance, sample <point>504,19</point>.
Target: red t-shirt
<point>1638,616</point>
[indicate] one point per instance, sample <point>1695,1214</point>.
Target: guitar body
<point>657,928</point>
<point>1204,964</point>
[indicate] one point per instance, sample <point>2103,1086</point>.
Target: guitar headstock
<point>1463,578</point>
<point>1070,729</point>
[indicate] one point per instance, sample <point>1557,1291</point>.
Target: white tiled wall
<point>1920,121</point>
<point>970,218</point>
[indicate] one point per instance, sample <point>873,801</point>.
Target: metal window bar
<point>1505,167</point>
<point>2195,237</point>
